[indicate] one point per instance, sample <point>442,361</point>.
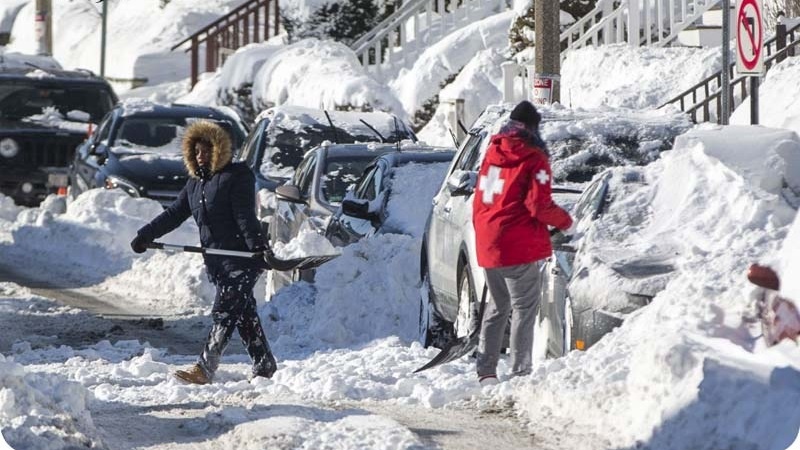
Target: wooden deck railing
<point>253,21</point>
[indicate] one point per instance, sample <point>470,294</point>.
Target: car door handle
<point>447,208</point>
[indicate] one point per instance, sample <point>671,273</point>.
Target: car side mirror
<point>357,208</point>
<point>764,277</point>
<point>289,193</point>
<point>461,183</point>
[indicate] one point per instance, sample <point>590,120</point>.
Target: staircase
<point>703,101</point>
<point>253,21</point>
<point>399,39</point>
<point>655,22</point>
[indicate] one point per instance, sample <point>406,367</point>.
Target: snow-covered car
<point>582,144</point>
<point>282,135</point>
<point>45,113</point>
<point>392,196</point>
<point>137,148</point>
<point>317,188</point>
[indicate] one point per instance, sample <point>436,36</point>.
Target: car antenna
<point>380,136</point>
<point>333,127</point>
<point>396,133</point>
<point>455,141</point>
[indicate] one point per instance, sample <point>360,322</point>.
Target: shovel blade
<point>305,263</point>
<point>453,350</point>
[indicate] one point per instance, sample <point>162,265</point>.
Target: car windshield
<point>159,134</point>
<point>340,175</point>
<point>20,99</point>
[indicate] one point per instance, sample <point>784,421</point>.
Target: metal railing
<point>705,97</point>
<point>253,21</point>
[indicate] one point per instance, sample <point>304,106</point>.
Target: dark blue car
<point>137,148</point>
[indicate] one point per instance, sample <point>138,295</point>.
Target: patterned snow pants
<point>235,308</point>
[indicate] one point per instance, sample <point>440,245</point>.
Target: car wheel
<point>467,317</point>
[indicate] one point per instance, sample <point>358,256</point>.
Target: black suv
<point>45,113</point>
<point>137,148</point>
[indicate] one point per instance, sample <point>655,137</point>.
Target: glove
<point>139,243</point>
<point>263,256</point>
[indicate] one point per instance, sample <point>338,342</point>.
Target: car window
<point>249,150</point>
<point>19,99</point>
<point>163,135</point>
<point>366,187</point>
<point>469,155</point>
<point>302,169</point>
<point>105,129</point>
<point>339,175</point>
<point>307,174</point>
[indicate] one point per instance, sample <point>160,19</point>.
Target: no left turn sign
<point>749,37</point>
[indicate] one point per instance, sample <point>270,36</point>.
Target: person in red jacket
<point>511,210</point>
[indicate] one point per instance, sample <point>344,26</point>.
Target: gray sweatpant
<point>512,288</point>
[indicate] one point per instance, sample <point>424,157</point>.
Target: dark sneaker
<point>195,375</point>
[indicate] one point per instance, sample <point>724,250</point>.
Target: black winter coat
<point>223,206</point>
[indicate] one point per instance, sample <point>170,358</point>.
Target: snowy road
<point>227,420</point>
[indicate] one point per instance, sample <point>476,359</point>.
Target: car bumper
<point>30,187</point>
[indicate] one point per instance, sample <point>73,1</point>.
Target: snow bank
<point>447,57</point>
<point>480,83</point>
<point>778,93</point>
<point>43,411</point>
<point>307,243</point>
<point>413,188</point>
<point>633,77</point>
<point>685,372</point>
<point>301,74</point>
<point>90,242</point>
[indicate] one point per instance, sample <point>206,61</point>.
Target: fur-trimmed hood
<point>221,142</point>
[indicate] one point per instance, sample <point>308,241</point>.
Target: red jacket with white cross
<point>512,205</point>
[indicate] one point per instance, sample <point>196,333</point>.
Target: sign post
<point>725,82</point>
<point>750,47</point>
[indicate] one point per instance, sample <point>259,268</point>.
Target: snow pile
<point>91,242</point>
<point>684,372</point>
<point>413,187</point>
<point>633,77</point>
<point>8,209</point>
<point>306,243</point>
<point>242,67</point>
<point>43,411</point>
<point>777,105</point>
<point>301,74</point>
<point>384,272</point>
<point>447,57</point>
<point>480,83</point>
<point>790,264</point>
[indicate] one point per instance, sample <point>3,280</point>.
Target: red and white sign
<point>749,37</point>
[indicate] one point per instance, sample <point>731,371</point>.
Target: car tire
<point>467,316</point>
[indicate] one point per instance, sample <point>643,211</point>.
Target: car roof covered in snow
<point>297,118</point>
<point>421,155</point>
<point>145,108</point>
<point>45,75</point>
<point>360,149</point>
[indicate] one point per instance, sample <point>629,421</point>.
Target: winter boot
<point>195,375</point>
<point>488,380</point>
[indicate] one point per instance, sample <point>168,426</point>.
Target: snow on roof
<point>14,60</point>
<point>297,118</point>
<point>131,106</point>
<point>319,74</point>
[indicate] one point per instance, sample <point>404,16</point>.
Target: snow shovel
<point>308,262</point>
<point>461,346</point>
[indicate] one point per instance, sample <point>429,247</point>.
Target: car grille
<point>55,151</point>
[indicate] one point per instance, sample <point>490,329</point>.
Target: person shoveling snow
<point>220,196</point>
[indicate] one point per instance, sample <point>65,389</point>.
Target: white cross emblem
<point>542,176</point>
<point>491,185</point>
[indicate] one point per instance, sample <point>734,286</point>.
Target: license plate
<point>57,179</point>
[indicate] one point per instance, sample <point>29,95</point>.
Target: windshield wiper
<point>380,136</point>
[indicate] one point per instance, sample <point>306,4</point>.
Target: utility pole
<point>43,27</point>
<point>103,31</point>
<point>547,76</point>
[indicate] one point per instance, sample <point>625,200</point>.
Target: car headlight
<point>9,148</point>
<point>114,182</point>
